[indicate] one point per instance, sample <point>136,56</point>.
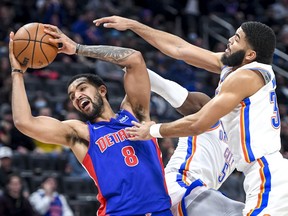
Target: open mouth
<point>84,103</point>
<point>227,49</point>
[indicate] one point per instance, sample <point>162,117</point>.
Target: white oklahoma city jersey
<point>205,157</point>
<point>253,127</point>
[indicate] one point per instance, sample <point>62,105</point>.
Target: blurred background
<point>205,23</point>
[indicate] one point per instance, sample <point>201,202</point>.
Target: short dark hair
<point>93,79</point>
<point>262,40</point>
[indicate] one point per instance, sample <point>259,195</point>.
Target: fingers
<point>52,27</point>
<point>133,138</point>
<point>133,133</point>
<point>137,124</point>
<point>13,61</point>
<point>12,35</point>
<point>11,42</point>
<point>108,22</point>
<point>98,22</point>
<point>53,32</point>
<point>11,51</point>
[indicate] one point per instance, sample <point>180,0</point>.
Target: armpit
<point>140,113</point>
<point>74,138</point>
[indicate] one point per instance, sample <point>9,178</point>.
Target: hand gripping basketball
<point>15,64</point>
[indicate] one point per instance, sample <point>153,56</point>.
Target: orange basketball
<point>32,46</point>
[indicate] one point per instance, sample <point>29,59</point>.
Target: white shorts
<point>266,186</point>
<point>200,200</point>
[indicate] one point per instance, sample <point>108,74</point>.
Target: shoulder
<point>244,82</point>
<point>74,123</point>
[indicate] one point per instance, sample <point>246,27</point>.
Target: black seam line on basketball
<point>43,49</point>
<point>33,50</point>
<point>37,41</point>
<point>27,43</point>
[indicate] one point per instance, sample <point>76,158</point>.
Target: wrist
<point>155,131</point>
<point>77,48</point>
<point>14,70</point>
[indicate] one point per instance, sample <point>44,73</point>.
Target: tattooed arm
<point>113,54</point>
<point>136,80</point>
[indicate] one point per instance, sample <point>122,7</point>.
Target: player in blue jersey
<point>245,101</point>
<point>129,175</point>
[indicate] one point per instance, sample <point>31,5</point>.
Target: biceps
<point>224,103</point>
<point>137,87</point>
<point>48,130</point>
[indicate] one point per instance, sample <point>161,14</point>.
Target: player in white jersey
<point>199,162</point>
<point>256,151</point>
<point>242,90</point>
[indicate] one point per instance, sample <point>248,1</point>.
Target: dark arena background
<point>205,23</point>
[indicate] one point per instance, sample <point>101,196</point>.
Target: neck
<point>107,114</point>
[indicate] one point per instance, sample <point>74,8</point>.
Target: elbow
<point>195,129</point>
<point>20,124</point>
<point>136,58</point>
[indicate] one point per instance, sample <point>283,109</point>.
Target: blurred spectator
<point>11,136</point>
<point>73,167</point>
<point>167,146</point>
<point>5,164</point>
<point>48,201</point>
<point>5,136</point>
<point>86,29</point>
<point>7,168</point>
<point>53,12</point>
<point>191,18</point>
<point>12,202</point>
<point>46,148</point>
<point>115,72</point>
<point>7,14</point>
<point>280,9</point>
<point>40,101</point>
<point>20,142</point>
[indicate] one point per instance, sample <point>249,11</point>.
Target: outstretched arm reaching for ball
<point>167,43</point>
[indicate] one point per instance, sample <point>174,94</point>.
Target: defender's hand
<point>116,22</point>
<point>140,131</point>
<point>67,45</point>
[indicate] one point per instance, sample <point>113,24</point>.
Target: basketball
<point>32,46</point>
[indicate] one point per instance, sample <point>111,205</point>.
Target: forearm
<point>20,106</point>
<point>177,48</point>
<point>117,55</point>
<point>163,41</point>
<point>171,91</point>
<point>183,127</point>
<point>197,123</point>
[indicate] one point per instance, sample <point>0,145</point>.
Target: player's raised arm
<point>136,80</point>
<point>42,128</point>
<point>167,43</point>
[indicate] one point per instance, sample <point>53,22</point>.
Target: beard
<point>97,110</point>
<point>234,59</point>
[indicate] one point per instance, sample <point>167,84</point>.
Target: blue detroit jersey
<point>129,174</point>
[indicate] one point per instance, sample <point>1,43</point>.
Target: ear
<point>250,55</point>
<point>102,90</point>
